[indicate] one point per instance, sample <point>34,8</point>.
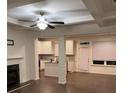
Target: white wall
<point>23,47</point>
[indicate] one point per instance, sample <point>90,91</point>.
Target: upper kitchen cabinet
<point>45,47</point>
<point>56,51</point>
<point>69,47</point>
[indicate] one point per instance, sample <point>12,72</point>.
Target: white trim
<point>64,82</point>
<point>37,78</point>
<point>14,58</point>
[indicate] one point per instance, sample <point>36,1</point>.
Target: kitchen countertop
<point>51,63</point>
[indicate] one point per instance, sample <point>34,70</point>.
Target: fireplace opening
<point>13,79</point>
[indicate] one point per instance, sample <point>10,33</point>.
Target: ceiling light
<point>42,25</point>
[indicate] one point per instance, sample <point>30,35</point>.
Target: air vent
<point>84,43</point>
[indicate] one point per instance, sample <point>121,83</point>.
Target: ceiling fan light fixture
<point>42,25</point>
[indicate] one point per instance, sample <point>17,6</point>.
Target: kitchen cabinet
<point>71,66</point>
<point>45,47</point>
<point>56,49</point>
<point>69,48</point>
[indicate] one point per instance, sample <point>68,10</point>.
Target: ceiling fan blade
<point>25,20</point>
<point>50,26</point>
<point>56,22</point>
<point>33,25</point>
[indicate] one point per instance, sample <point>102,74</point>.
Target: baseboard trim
<point>19,88</point>
<point>37,78</point>
<point>102,73</point>
<point>62,83</point>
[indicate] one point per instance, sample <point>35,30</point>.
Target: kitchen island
<point>51,69</point>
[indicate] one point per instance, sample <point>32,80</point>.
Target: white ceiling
<point>69,11</point>
<point>104,11</point>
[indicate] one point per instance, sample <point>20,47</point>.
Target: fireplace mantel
<point>14,58</point>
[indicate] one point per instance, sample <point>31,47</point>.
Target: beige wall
<point>107,37</point>
<point>91,38</point>
<point>23,47</point>
<point>24,42</point>
<point>73,30</point>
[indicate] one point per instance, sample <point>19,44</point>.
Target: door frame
<point>89,55</point>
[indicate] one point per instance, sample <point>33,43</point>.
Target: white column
<point>62,61</point>
<point>36,60</point>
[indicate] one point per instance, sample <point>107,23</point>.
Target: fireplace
<point>12,76</point>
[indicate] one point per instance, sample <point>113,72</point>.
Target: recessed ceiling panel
<point>53,10</point>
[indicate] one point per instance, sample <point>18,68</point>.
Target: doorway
<point>84,59</point>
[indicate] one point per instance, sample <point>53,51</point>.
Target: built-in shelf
<point>14,58</point>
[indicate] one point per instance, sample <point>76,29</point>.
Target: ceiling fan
<point>42,22</point>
